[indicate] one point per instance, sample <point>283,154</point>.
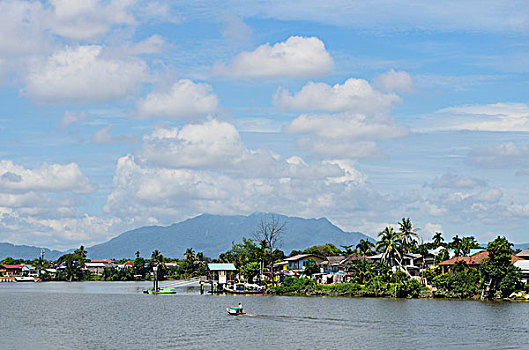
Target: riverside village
<point>398,265</point>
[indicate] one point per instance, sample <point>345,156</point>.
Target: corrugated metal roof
<point>95,265</point>
<point>222,267</point>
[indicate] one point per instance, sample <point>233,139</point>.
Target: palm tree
<point>408,234</point>
<point>390,245</point>
<point>347,249</point>
<point>365,247</point>
<point>437,239</point>
<point>456,245</point>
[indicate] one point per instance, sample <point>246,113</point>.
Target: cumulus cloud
<point>394,81</point>
<point>354,94</point>
<point>105,135</point>
<point>345,134</point>
<point>84,74</point>
<point>206,168</point>
<point>296,57</point>
<point>21,28</point>
<point>450,180</point>
<point>87,19</point>
<point>48,178</point>
<point>357,120</point>
<point>185,99</point>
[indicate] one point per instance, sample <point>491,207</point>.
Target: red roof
<point>107,261</point>
<point>130,263</point>
<point>475,259</point>
<point>17,266</point>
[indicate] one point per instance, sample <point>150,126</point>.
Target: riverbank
<point>409,289</point>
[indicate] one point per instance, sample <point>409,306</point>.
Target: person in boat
<point>240,308</point>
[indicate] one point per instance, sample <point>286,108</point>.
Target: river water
<point>117,315</point>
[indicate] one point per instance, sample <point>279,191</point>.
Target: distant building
<point>472,261</point>
<point>12,270</point>
<point>221,273</point>
<point>297,263</point>
<point>524,254</point>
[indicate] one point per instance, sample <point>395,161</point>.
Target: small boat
<point>25,279</point>
<point>235,311</point>
<point>160,291</point>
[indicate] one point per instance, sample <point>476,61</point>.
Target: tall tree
<point>437,239</point>
<point>498,270</point>
<point>269,235</point>
<point>389,245</point>
<point>468,243</point>
<point>408,235</point>
<point>456,245</point>
<point>365,247</point>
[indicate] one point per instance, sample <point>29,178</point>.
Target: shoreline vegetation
<point>442,270</point>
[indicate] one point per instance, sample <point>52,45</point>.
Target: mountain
<point>26,252</point>
<point>214,234</point>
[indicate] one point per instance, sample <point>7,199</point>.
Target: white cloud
<point>394,15</point>
<point>506,154</point>
<point>236,30</point>
<point>347,134</point>
<point>88,19</point>
<point>70,117</point>
<point>184,99</point>
<point>83,74</point>
<point>450,180</point>
<point>105,135</point>
<point>501,117</point>
<point>48,178</point>
<point>354,94</point>
<point>430,229</point>
<point>295,57</point>
<point>21,28</point>
<point>206,168</point>
<point>394,81</point>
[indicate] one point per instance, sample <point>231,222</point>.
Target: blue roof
<point>222,267</point>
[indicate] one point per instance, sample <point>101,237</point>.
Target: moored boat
<point>25,279</point>
<point>161,291</point>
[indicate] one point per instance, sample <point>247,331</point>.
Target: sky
<point>118,114</point>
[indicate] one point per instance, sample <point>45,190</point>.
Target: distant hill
<point>26,252</point>
<point>214,234</point>
<point>521,246</point>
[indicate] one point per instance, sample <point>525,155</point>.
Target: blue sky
<point>119,114</point>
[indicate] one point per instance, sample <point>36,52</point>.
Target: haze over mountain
<point>210,234</point>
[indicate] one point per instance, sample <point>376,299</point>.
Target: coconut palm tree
<point>456,245</point>
<point>437,239</point>
<point>365,247</point>
<point>390,245</point>
<point>408,235</point>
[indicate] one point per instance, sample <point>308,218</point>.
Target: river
<point>117,315</point>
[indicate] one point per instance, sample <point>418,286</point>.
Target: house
<point>221,274</point>
<point>29,270</point>
<point>12,270</point>
<point>95,268</point>
<point>524,254</point>
<point>472,261</point>
<point>410,262</point>
<point>106,262</point>
<point>524,267</point>
<point>297,263</point>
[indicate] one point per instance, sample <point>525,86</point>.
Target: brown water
<point>116,315</point>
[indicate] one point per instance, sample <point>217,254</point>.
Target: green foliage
<point>365,247</point>
<point>10,261</point>
<point>113,274</point>
<point>74,265</point>
<point>295,285</point>
<point>462,283</point>
<point>362,270</point>
<point>250,270</point>
<point>311,267</point>
<point>328,249</point>
<point>498,272</point>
